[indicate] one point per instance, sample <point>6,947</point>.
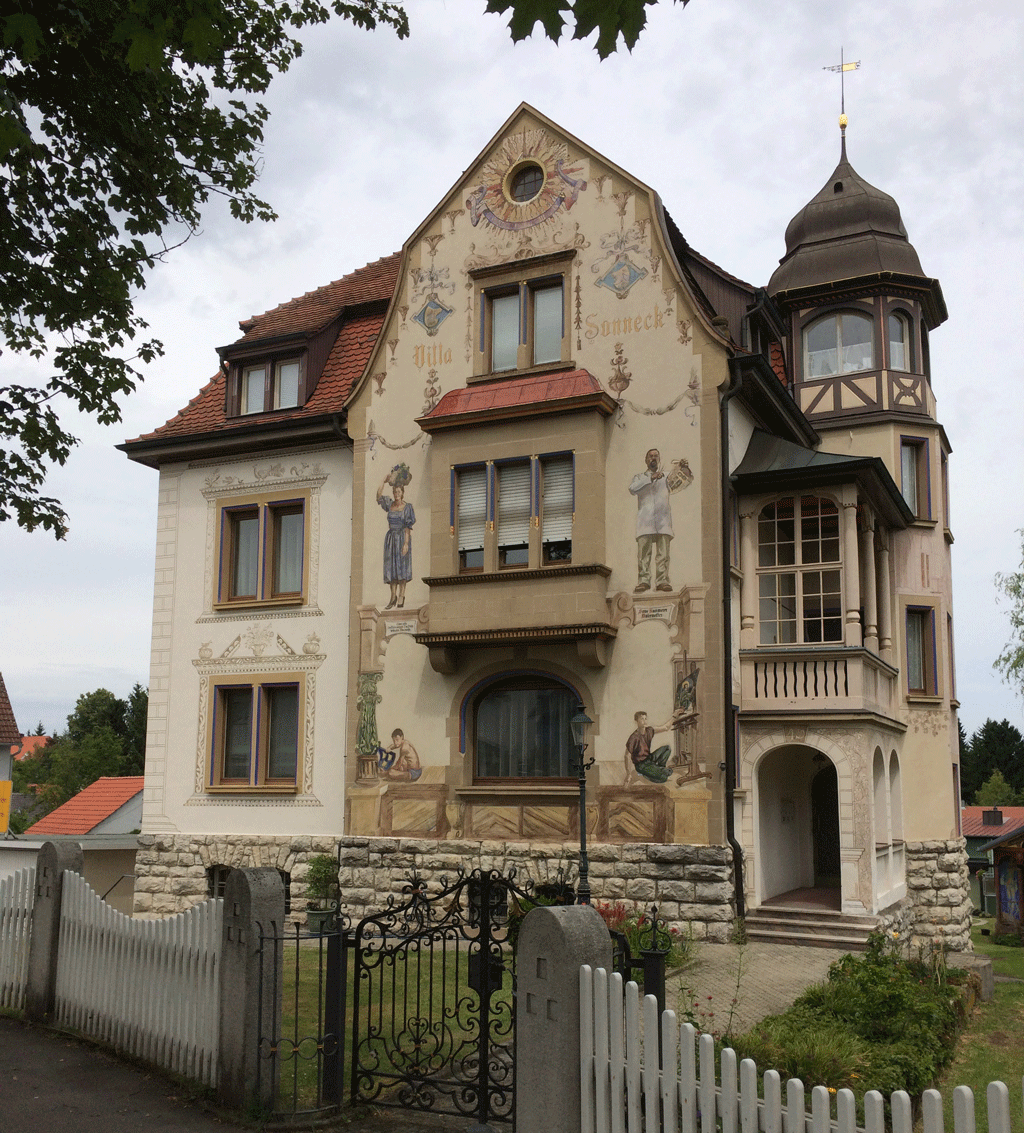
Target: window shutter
<point>557,500</point>
<point>514,504</point>
<point>472,508</point>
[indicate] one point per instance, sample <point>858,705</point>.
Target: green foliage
<point>610,18</point>
<point>105,736</point>
<point>995,746</point>
<point>1011,660</point>
<point>321,878</point>
<point>636,926</point>
<point>118,120</point>
<point>995,791</point>
<point>882,1021</point>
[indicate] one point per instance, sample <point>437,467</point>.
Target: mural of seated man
<point>643,761</point>
<point>399,763</point>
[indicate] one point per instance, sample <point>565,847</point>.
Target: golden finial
<point>841,68</point>
<point>843,121</point>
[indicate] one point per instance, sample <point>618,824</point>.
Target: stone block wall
<point>939,894</point>
<point>691,885</point>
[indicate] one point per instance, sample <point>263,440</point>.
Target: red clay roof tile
<point>310,312</point>
<point>973,826</point>
<point>89,807</point>
<point>10,733</point>
<point>30,745</point>
<point>519,391</point>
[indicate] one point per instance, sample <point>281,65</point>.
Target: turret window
<point>838,344</point>
<point>899,343</point>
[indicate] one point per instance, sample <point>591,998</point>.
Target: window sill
<point>244,789</point>
<point>930,698</point>
<point>948,535</point>
<point>521,787</point>
<point>258,603</point>
<point>525,371</point>
<point>924,521</point>
<point>510,574</point>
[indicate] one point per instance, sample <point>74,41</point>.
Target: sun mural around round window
<point>526,182</point>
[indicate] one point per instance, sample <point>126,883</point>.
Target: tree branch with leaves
<point>1011,661</point>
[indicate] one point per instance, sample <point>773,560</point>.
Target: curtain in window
<point>282,731</point>
<point>524,733</point>
<point>288,552</point>
<point>246,529</point>
<point>547,324</point>
<point>915,649</point>
<point>287,391</point>
<point>505,332</point>
<point>237,706</point>
<point>253,381</point>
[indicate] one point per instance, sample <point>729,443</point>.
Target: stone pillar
<point>51,862</point>
<point>553,944</point>
<point>870,583</point>
<point>851,560</point>
<point>253,906</point>
<point>748,590</point>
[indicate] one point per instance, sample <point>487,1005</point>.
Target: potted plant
<point>321,891</point>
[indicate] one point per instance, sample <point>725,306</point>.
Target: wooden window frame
<point>922,507</point>
<point>525,281</point>
<point>925,616</point>
<point>837,316</point>
<point>237,401</point>
<point>261,691</point>
<point>539,554</point>
<point>268,510</point>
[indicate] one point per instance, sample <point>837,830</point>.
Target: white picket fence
<point>147,987</point>
<point>17,892</point>
<point>626,1092</point>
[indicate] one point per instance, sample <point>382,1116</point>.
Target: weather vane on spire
<point>842,67</point>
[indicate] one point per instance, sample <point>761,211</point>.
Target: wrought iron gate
<point>433,999</point>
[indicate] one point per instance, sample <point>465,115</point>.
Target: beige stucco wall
<point>193,644</point>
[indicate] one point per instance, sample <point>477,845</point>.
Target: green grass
<point>1006,960</point>
<point>416,987</point>
<point>991,1049</point>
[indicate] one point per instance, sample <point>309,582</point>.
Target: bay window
<point>838,344</point>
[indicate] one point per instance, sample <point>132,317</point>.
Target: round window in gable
<point>525,183</point>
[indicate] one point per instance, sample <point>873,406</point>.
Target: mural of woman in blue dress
<point>398,541</point>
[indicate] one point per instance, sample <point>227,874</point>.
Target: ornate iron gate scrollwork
<point>433,999</point>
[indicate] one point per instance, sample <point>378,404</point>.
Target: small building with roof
<point>549,456</point>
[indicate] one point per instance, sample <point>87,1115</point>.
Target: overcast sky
<point>725,109</point>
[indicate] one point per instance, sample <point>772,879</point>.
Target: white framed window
<point>800,598</point>
<point>899,341</point>
<point>255,733</point>
<point>838,344</point>
<point>269,385</point>
<point>262,552</point>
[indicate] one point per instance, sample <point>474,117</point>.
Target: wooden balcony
<point>805,679</point>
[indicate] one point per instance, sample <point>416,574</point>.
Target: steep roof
<point>90,806</point>
<point>305,315</point>
<point>10,733</point>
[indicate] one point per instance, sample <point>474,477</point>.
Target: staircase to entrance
<point>809,917</point>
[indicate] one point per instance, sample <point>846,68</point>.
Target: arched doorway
<point>797,801</point>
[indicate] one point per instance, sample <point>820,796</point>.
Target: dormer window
<point>838,344</point>
<point>269,385</point>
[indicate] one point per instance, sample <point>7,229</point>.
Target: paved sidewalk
<point>53,1083</point>
<point>764,979</point>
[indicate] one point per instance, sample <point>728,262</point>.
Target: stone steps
<point>820,928</point>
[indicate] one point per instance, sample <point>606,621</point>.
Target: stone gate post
<point>51,862</point>
<point>253,906</point>
<point>553,943</point>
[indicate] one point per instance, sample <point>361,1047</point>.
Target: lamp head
<point>580,725</point>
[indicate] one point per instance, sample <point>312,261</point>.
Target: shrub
<point>636,926</point>
<point>321,880</point>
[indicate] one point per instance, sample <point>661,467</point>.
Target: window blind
<point>514,504</point>
<point>472,511</point>
<point>557,496</point>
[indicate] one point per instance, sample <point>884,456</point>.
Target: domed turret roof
<point>849,230</point>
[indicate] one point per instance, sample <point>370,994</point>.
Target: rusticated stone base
<point>937,908</point>
<point>691,885</point>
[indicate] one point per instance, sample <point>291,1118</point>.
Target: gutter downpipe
<point>735,384</point>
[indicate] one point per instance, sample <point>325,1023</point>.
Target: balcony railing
<point>812,678</point>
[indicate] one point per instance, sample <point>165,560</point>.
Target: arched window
<point>838,344</point>
<point>521,727</point>
<point>798,600</point>
<point>899,342</point>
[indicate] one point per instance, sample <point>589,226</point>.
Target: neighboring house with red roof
<point>30,746</point>
<point>981,824</point>
<point>108,806</point>
<point>548,455</point>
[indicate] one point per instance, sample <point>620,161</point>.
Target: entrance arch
<point>797,813</point>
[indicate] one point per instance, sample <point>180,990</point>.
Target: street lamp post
<point>580,725</point>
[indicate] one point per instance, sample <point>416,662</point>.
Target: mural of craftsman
<point>653,489</point>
